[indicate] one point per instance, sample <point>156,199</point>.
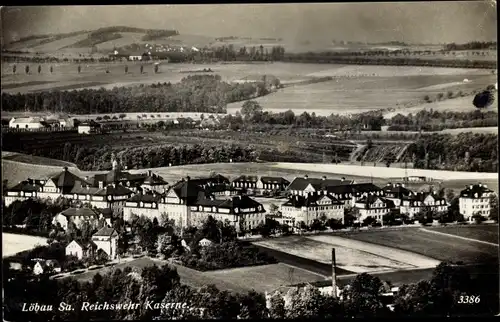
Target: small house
<point>107,240</point>
<point>80,250</point>
<point>205,242</point>
<point>46,267</point>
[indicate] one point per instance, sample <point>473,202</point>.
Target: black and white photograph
<point>249,161</point>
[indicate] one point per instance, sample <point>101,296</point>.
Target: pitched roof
<point>397,189</point>
<point>246,179</point>
<point>145,197</point>
<point>83,246</point>
<point>66,180</point>
<point>371,199</point>
<point>279,180</point>
<point>471,191</point>
<point>107,232</point>
<point>240,202</point>
<point>79,212</point>
<point>114,190</point>
<point>25,185</point>
<point>357,188</point>
<point>106,212</point>
<point>154,179</point>
<point>27,120</point>
<point>300,183</point>
<point>88,190</point>
<point>116,175</point>
<point>309,201</point>
<point>188,190</point>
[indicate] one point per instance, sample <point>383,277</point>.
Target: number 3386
<point>469,299</point>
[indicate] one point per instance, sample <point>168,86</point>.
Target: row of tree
<point>195,93</point>
<point>473,45</point>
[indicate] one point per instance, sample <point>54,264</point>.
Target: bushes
<point>226,255</point>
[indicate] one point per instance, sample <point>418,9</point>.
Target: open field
<point>15,243</point>
<point>31,159</point>
<point>487,233</point>
<point>358,89</point>
<point>351,256</point>
<point>439,247</point>
<point>458,104</point>
<point>238,279</point>
<point>59,44</point>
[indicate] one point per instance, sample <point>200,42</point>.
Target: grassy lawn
<point>443,248</point>
<point>238,279</point>
<point>487,233</point>
<point>16,243</point>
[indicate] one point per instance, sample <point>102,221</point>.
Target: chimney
<point>323,178</point>
<point>101,184</point>
<point>65,168</point>
<point>306,176</point>
<point>334,275</point>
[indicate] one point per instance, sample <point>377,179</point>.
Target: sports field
<point>353,256</point>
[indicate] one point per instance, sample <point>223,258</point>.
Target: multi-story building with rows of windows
<point>475,199</point>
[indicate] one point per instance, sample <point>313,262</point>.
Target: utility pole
<point>334,275</point>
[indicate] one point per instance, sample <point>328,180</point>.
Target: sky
<point>412,22</point>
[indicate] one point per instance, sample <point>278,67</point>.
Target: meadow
<point>487,233</point>
<point>439,247</point>
<point>15,243</point>
<point>237,280</point>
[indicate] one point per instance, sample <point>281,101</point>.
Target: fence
<point>6,129</point>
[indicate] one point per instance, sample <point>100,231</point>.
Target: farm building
<point>27,123</point>
<point>415,203</point>
<point>77,216</point>
<point>373,206</point>
<point>87,128</point>
<point>475,199</point>
<point>107,240</point>
<point>313,206</point>
<point>80,250</point>
<point>305,185</point>
<point>46,267</point>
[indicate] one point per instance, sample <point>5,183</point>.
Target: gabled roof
<point>114,190</point>
<point>146,197</point>
<point>27,120</point>
<point>371,199</point>
<point>240,202</point>
<point>246,179</point>
<point>25,186</point>
<point>357,188</point>
<point>106,232</point>
<point>309,201</point>
<point>470,191</point>
<point>66,180</point>
<point>188,191</point>
<point>301,183</point>
<point>154,179</point>
<point>397,189</point>
<point>88,190</point>
<point>106,212</point>
<point>79,212</point>
<point>278,180</point>
<point>116,175</point>
<point>90,244</point>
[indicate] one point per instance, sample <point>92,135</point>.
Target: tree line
<point>99,158</point>
<point>436,121</point>
<point>463,152</point>
<point>195,93</point>
<point>473,45</point>
<point>438,296</point>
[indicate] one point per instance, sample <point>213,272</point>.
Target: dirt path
<point>460,237</point>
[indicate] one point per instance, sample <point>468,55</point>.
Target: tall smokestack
<point>334,275</point>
